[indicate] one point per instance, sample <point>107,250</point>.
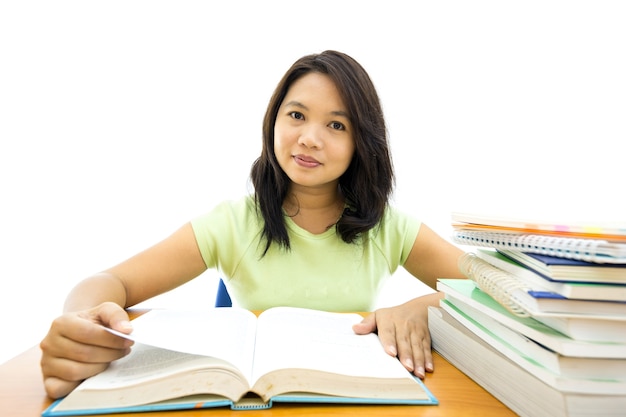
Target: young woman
<point>317,233</point>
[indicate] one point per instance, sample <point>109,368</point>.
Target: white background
<point>121,120</point>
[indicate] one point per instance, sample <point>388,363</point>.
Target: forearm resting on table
<point>95,290</point>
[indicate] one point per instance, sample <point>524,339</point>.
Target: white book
<point>551,366</point>
<point>519,389</point>
<point>464,291</point>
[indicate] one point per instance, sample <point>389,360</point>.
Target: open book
<point>229,357</point>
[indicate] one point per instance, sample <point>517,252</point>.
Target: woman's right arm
<point>76,346</point>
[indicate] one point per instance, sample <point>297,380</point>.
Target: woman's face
<point>313,137</point>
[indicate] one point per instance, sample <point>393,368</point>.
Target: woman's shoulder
<point>244,203</point>
<point>395,214</point>
<point>239,209</point>
<point>397,224</point>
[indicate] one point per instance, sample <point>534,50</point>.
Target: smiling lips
<point>306,161</point>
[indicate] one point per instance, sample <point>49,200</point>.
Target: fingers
<point>77,336</point>
<point>428,358</point>
<point>368,325</point>
<point>57,388</point>
<point>396,337</point>
<point>109,315</point>
<point>412,348</point>
<point>61,376</point>
<point>386,334</point>
<point>87,343</point>
<point>77,347</point>
<point>403,332</point>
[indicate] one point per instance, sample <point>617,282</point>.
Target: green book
<point>467,297</point>
<point>553,368</point>
<point>513,293</point>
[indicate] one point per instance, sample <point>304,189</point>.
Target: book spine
<point>571,248</point>
<point>497,283</point>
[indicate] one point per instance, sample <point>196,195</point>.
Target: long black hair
<point>368,182</point>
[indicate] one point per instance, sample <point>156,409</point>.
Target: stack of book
<point>541,323</point>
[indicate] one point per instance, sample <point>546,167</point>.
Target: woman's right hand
<point>77,347</point>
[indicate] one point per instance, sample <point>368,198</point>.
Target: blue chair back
<point>222,298</point>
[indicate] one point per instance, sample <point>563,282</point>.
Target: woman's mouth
<point>306,161</point>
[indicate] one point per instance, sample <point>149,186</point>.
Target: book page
<point>307,339</point>
<point>224,333</point>
<point>144,362</point>
<point>150,374</point>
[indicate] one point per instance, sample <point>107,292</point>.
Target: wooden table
<point>22,395</point>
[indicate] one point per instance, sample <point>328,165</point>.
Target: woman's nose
<point>311,137</point>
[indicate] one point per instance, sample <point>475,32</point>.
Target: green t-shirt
<point>320,271</point>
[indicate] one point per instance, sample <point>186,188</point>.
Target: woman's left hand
<point>403,332</point>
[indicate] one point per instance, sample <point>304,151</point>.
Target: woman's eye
<point>337,126</point>
<point>296,115</point>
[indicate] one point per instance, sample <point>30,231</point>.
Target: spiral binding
<point>499,284</point>
<point>570,248</point>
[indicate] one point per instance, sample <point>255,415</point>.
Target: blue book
<point>227,357</point>
<point>540,284</point>
<point>569,270</point>
<point>513,294</point>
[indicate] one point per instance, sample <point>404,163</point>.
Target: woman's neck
<point>314,210</point>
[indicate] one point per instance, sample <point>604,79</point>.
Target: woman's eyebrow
<point>295,103</point>
<point>298,104</point>
<point>340,113</point>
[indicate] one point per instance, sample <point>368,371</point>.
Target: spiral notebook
<point>588,250</point>
<point>540,286</point>
<point>510,293</point>
<point>500,278</point>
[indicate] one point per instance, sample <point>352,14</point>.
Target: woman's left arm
<point>403,329</point>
